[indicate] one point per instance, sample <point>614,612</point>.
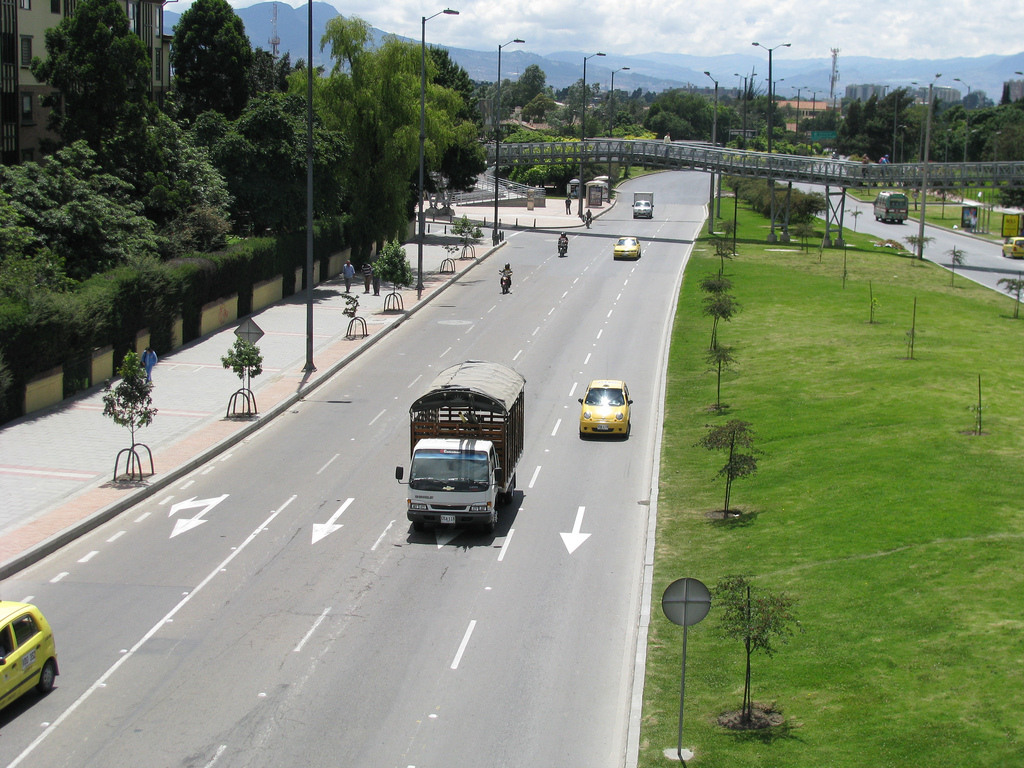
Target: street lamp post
<point>310,72</point>
<point>967,117</point>
<point>924,171</point>
<point>421,220</point>
<point>771,108</point>
<point>743,107</point>
<point>714,143</point>
<point>583,126</point>
<point>611,126</point>
<point>497,141</point>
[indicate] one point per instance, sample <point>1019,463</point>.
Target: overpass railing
<point>735,162</point>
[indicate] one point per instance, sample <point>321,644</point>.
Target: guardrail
<point>735,162</point>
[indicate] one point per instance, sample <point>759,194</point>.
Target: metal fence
<point>735,162</point>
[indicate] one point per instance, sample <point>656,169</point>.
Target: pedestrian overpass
<point>835,175</point>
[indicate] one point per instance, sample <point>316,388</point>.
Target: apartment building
<point>23,25</point>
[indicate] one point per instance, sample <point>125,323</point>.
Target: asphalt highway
<point>276,608</point>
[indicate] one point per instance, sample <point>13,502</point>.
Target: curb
<point>50,545</point>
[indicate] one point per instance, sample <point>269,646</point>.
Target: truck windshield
<point>449,471</point>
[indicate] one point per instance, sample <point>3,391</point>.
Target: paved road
<point>207,627</point>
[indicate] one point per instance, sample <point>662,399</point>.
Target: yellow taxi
<point>1013,248</point>
<point>626,248</point>
<point>28,655</point>
<point>605,408</point>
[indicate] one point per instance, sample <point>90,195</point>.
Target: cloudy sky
<point>913,29</point>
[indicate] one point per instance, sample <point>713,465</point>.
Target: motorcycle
<point>506,283</point>
<point>588,219</point>
<point>563,247</point>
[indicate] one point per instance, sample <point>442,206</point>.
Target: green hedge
<point>49,330</point>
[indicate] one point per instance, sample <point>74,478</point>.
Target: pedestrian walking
<point>367,275</point>
<point>376,283</point>
<point>348,272</point>
<point>568,206</point>
<point>149,360</point>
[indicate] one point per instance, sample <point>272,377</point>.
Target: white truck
<point>643,205</point>
<point>466,434</point>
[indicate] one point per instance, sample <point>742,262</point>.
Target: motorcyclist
<point>506,273</point>
<point>563,243</point>
<point>590,217</point>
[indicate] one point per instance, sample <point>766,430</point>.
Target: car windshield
<point>605,396</point>
<point>448,470</point>
<point>627,241</point>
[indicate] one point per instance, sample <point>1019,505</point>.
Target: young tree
<point>918,243</point>
<point>130,404</point>
<point>211,58</point>
<point>100,73</point>
<point>803,231</point>
<point>392,266</point>
<point>758,617</point>
<point>956,256</point>
<point>715,284</point>
<point>719,306</point>
<point>1013,286</point>
<point>719,358</point>
<point>245,359</point>
<point>737,437</point>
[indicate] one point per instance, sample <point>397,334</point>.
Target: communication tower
<point>274,40</point>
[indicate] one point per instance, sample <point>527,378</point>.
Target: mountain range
<point>653,71</point>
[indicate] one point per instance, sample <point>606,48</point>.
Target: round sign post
<point>685,602</point>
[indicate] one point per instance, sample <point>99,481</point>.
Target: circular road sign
<point>686,602</point>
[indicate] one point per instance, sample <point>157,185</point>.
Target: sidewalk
<point>56,465</point>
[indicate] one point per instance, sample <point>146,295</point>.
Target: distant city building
<point>939,93</point>
<point>22,37</point>
<point>1015,89</point>
<point>865,92</point>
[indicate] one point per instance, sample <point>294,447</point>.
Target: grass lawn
<point>899,531</point>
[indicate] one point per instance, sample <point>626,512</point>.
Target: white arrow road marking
<point>574,539</point>
<point>187,524</point>
<point>322,530</point>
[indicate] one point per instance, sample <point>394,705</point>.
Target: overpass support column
<point>771,196</point>
<point>785,220</point>
<point>836,201</point>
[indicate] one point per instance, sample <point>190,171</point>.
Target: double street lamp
<point>924,170</point>
<point>497,141</point>
<point>967,117</point>
<point>771,109</point>
<point>583,126</point>
<point>771,95</point>
<point>611,125</point>
<point>714,143</point>
<point>423,137</point>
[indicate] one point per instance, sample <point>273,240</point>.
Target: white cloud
<point>918,29</point>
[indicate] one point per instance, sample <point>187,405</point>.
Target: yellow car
<point>28,656</point>
<point>605,408</point>
<point>627,248</point>
<point>1013,248</point>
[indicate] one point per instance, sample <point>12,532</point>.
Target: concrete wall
<point>102,367</point>
<point>45,389</point>
<point>218,313</point>
<point>267,292</point>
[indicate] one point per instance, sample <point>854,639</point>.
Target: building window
<point>26,50</point>
<point>25,5</point>
<point>26,108</point>
<point>158,64</point>
<point>28,155</point>
<point>54,6</point>
<point>133,17</point>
